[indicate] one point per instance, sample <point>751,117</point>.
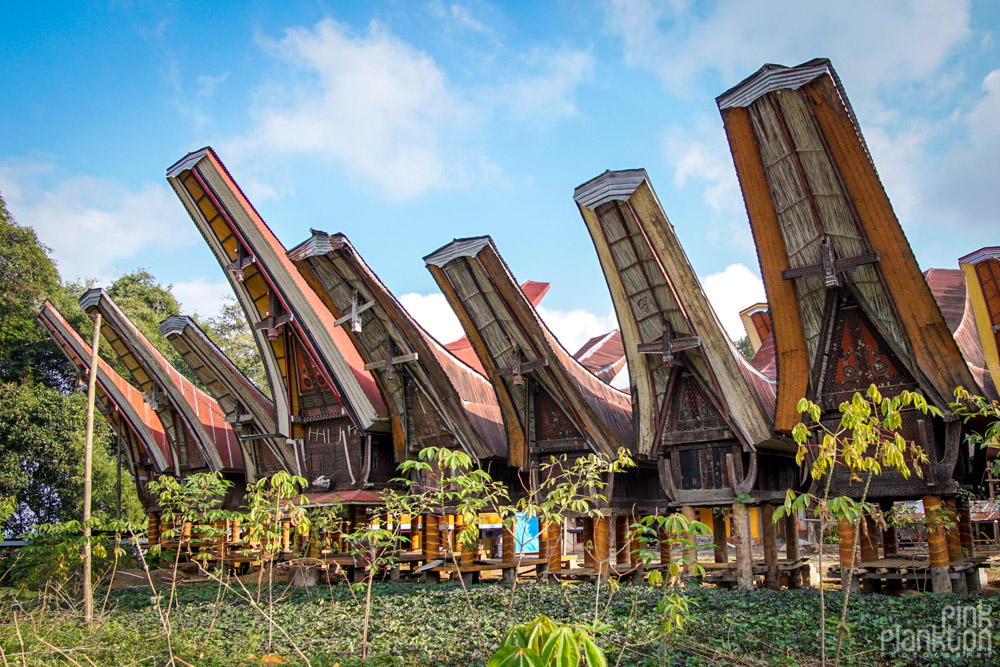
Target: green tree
<point>41,459</point>
<point>231,332</point>
<point>146,302</point>
<point>745,347</point>
<point>27,278</point>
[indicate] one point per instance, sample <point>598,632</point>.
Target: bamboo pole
<point>88,464</point>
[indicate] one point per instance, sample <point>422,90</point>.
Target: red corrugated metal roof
<point>58,325</point>
<point>949,290</point>
<point>340,338</point>
<point>603,355</point>
<point>211,416</point>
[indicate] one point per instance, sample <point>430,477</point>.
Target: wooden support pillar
<point>770,539</point>
<point>153,532</point>
<point>869,540</point>
<point>960,585</point>
<point>415,534</point>
<point>508,555</point>
<point>622,559</point>
<point>967,543</point>
<point>286,535</point>
<point>297,543</point>
<point>890,543</point>
<point>555,547</point>
<point>938,544</point>
<point>186,532</point>
<point>588,542</point>
<point>165,526</point>
<point>792,552</point>
<point>719,537</point>
<point>690,552</point>
<point>845,531</point>
<point>744,555</point>
<point>432,538</point>
<point>666,545</point>
<point>602,553</point>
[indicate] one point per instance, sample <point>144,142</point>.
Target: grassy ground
<point>431,625</point>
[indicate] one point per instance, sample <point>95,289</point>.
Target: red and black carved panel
<point>317,400</point>
<point>858,356</point>
<point>552,428</point>
<point>691,417</point>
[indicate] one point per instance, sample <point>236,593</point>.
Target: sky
<point>406,124</point>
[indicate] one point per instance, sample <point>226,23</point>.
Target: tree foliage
<point>231,332</point>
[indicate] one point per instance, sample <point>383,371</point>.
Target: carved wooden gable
<point>691,416</point>
<point>857,357</point>
<point>553,430</point>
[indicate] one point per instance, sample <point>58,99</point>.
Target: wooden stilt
<point>890,543</point>
<point>186,532</point>
<point>719,537</point>
<point>601,548</point>
<point>415,534</point>
<point>938,543</point>
<point>869,540</point>
<point>690,552</point>
<point>960,585</point>
<point>165,527</point>
<point>845,530</point>
<point>555,547</point>
<point>665,547</point>
<point>770,540</point>
<point>153,532</point>
<point>588,542</point>
<point>621,543</point>
<point>432,538</point>
<point>508,554</point>
<point>792,552</point>
<point>286,535</point>
<point>744,555</point>
<point>968,544</point>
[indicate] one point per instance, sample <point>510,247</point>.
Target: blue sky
<point>406,124</point>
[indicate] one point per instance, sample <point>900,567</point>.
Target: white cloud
<point>962,193</point>
<point>202,297</point>
<point>730,291</point>
<point>434,314</point>
<point>549,93</point>
<point>574,327</point>
<point>385,112</point>
<point>369,102</point>
<point>871,43</point>
<point>91,224</point>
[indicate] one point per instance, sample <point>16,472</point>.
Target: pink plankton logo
<point>965,630</point>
